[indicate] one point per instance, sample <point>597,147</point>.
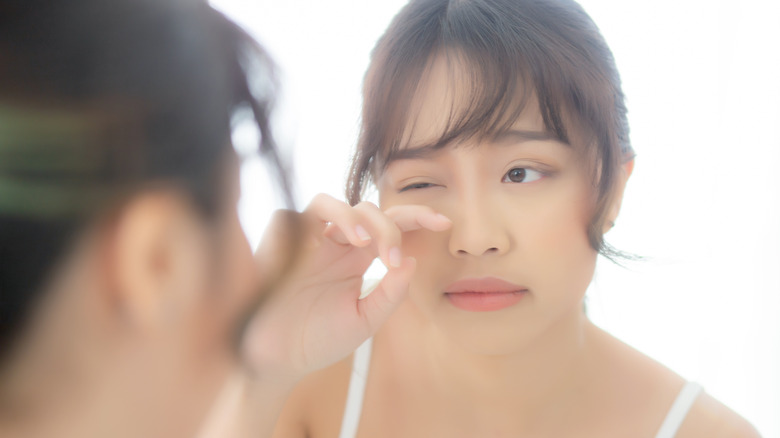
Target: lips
<point>484,294</point>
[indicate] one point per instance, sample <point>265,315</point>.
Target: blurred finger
<point>383,231</point>
<point>337,214</point>
<point>415,217</point>
<point>382,301</point>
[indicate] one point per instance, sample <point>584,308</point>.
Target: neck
<point>77,375</point>
<point>547,372</point>
<point>84,368</point>
<point>73,396</point>
<point>55,384</point>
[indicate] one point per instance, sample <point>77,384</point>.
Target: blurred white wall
<point>702,80</point>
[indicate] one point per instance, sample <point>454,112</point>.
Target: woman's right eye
<point>416,186</point>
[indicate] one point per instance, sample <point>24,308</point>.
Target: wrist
<point>274,377</point>
<point>267,386</point>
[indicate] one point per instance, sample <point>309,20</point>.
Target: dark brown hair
<point>510,50</point>
<point>103,98</point>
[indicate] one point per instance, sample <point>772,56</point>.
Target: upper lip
<point>483,285</point>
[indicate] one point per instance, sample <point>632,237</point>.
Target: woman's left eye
<point>522,175</point>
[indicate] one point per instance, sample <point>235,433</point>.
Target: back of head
<point>100,99</point>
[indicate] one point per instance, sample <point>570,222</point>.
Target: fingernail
<point>362,233</point>
<point>443,217</point>
<point>395,257</point>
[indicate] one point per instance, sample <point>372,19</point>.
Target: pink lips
<point>484,294</point>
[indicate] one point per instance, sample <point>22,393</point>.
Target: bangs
<point>473,96</point>
<point>499,57</point>
<point>498,61</point>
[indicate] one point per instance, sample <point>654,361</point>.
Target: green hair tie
<point>44,200</point>
<point>50,162</point>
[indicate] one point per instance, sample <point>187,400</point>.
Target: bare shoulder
<point>712,419</point>
<point>316,405</point>
<point>651,388</point>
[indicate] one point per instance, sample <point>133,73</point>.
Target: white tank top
<point>357,388</point>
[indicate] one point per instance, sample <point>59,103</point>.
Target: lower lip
<point>484,301</point>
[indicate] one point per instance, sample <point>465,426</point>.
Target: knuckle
<point>366,206</point>
<point>320,199</point>
<point>392,211</point>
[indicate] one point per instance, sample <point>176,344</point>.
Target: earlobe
<point>153,255</point>
<point>628,169</point>
<point>625,172</point>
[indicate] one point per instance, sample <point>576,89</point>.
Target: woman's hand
<point>314,316</point>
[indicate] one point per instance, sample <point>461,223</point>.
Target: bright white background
<point>702,78</point>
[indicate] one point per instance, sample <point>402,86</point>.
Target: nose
<point>477,229</point>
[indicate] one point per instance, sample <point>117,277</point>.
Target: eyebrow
<point>520,136</point>
<point>513,135</point>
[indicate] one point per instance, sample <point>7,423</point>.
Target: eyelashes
<point>522,175</point>
<point>515,175</point>
<point>416,186</point>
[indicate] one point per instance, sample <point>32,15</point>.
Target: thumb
<point>382,301</point>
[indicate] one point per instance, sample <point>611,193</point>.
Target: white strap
<point>357,388</point>
<point>679,410</point>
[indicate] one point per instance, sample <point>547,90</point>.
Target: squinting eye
<point>522,175</point>
<point>415,186</point>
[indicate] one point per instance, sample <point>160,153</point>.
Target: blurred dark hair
<point>509,51</point>
<point>102,98</point>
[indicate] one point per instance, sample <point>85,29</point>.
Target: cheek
<point>560,227</point>
<point>430,251</point>
<point>560,216</point>
<point>230,286</point>
<point>420,244</point>
<point>566,260</point>
<point>239,272</point>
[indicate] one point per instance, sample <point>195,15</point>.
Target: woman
<point>129,292</point>
<point>508,118</point>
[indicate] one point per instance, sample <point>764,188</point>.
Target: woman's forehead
<point>450,95</point>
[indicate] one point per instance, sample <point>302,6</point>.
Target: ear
<point>620,186</point>
<point>157,256</point>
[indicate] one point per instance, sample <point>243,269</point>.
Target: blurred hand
<point>314,316</point>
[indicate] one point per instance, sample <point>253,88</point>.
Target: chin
<point>491,333</point>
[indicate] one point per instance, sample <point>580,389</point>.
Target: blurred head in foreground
<point>124,271</point>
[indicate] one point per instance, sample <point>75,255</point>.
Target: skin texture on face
<point>520,206</point>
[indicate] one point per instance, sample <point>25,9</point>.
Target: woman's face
<point>517,260</point>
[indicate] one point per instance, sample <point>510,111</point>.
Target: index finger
<point>415,217</point>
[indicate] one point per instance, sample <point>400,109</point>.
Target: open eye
<point>416,186</point>
<point>522,175</point>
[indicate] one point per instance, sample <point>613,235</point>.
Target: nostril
<point>487,251</point>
